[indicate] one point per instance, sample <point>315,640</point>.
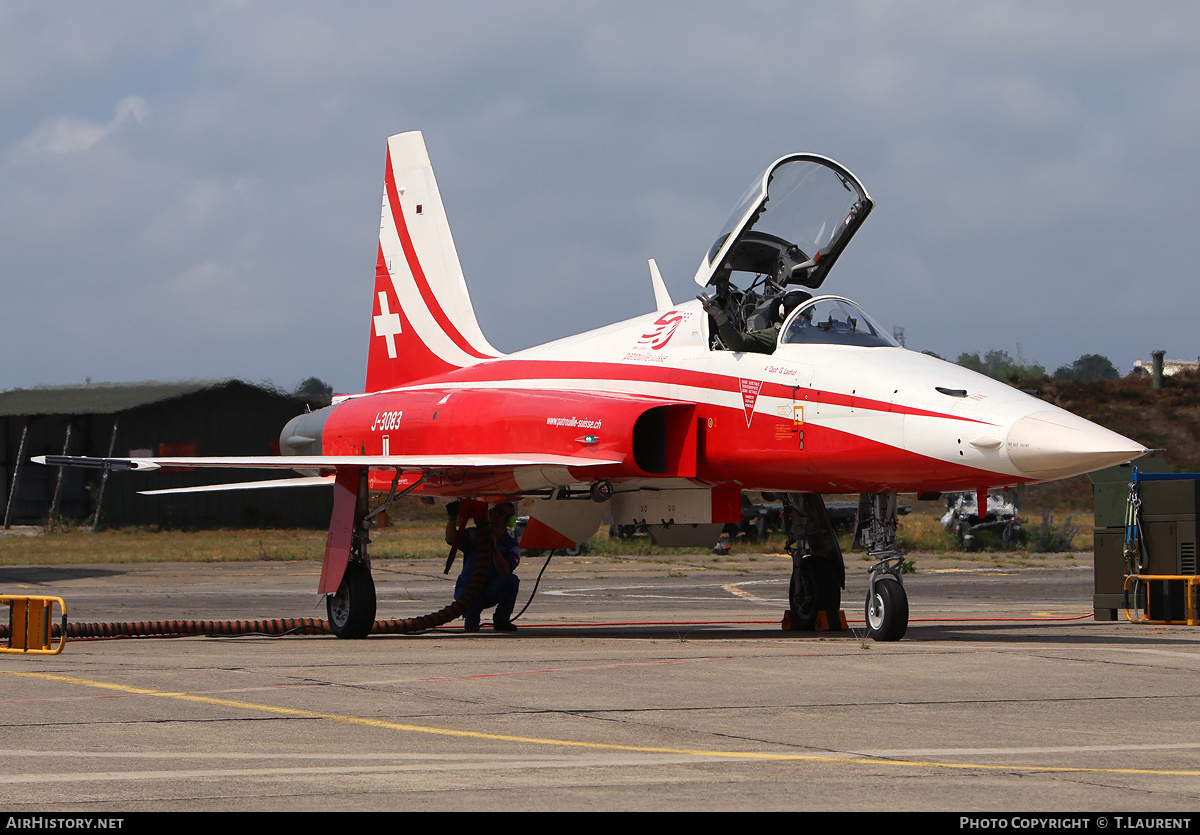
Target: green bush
<point>1046,539</point>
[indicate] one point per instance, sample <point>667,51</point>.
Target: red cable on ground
<point>776,622</point>
<point>312,626</point>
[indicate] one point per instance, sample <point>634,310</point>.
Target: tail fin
<point>423,323</point>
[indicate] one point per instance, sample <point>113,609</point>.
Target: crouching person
<point>500,590</point>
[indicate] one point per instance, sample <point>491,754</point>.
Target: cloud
<point>1030,160</point>
<point>71,134</point>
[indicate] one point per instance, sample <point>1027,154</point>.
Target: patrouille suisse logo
<point>664,328</point>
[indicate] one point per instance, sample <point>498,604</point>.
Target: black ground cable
<point>545,565</point>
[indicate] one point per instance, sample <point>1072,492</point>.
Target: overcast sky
<point>192,190</point>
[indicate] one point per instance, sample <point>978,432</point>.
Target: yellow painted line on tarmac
<point>737,591</point>
<point>566,743</point>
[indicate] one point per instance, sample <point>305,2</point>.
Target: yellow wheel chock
<point>30,632</point>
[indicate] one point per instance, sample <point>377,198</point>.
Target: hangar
<point>214,417</point>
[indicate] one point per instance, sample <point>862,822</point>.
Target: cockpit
<point>784,235</point>
<point>833,320</point>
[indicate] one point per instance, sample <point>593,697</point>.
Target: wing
<point>322,467</point>
<point>423,463</point>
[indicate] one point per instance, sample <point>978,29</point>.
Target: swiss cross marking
<point>387,325</point>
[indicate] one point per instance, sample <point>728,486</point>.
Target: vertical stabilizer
<point>422,321</point>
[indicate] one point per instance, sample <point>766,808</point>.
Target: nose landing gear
<point>887,602</point>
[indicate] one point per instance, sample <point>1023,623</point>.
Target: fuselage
<point>827,418</point>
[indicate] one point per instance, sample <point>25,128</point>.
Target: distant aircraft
<point>655,420</point>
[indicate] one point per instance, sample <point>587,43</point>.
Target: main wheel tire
<point>813,590</point>
<point>887,611</point>
<point>352,610</point>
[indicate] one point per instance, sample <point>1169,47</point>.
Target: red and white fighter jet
<point>653,420</point>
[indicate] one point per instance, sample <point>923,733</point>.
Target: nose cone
<point>1057,444</point>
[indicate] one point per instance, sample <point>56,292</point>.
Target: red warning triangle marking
<point>750,389</point>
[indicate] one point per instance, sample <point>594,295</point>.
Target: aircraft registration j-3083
<point>664,419</point>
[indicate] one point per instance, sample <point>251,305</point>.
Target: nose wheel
<point>887,608</point>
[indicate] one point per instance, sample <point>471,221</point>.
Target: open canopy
<point>789,228</point>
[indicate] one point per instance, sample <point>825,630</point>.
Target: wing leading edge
<point>429,463</point>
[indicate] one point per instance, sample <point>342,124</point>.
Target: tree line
<point>999,365</point>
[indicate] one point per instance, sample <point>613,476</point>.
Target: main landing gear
<point>887,602</point>
<point>818,571</point>
<point>351,609</point>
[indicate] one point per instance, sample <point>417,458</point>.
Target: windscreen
<point>832,320</point>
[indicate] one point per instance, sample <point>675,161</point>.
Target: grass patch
<point>136,545</point>
<point>924,532</point>
<point>419,535</point>
<point>133,545</point>
<point>602,545</point>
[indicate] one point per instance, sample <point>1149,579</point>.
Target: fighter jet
<point>762,383</point>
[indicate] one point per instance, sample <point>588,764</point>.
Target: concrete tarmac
<point>630,686</point>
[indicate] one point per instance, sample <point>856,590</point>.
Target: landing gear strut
<point>818,571</point>
<point>887,602</point>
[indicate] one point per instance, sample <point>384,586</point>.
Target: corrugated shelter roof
<point>99,398</point>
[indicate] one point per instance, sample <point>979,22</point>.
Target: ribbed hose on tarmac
<point>484,555</point>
